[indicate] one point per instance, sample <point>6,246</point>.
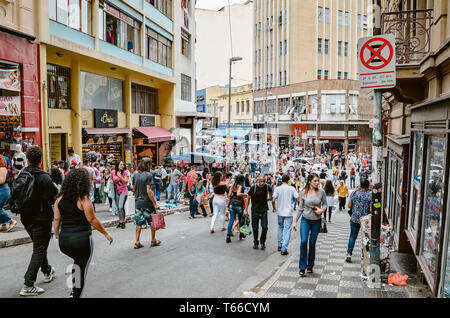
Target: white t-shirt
<point>284,195</point>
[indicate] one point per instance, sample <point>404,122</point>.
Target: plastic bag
<point>158,222</point>
<point>397,279</point>
<point>245,228</point>
<point>130,205</point>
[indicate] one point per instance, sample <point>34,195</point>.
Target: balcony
<point>412,31</point>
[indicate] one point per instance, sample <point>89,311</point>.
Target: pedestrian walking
<point>313,203</point>
<point>74,215</point>
<point>219,200</point>
<point>352,178</point>
<point>7,223</point>
<point>146,204</point>
<point>200,193</point>
<point>342,190</point>
<point>360,205</point>
<point>282,199</point>
<point>236,195</point>
<point>157,182</point>
<point>259,194</point>
<point>190,179</point>
<point>120,177</point>
<point>173,179</point>
<point>330,192</point>
<point>36,214</point>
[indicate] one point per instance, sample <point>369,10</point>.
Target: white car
<point>309,163</point>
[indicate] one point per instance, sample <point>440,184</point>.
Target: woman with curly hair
<point>6,222</point>
<point>74,213</point>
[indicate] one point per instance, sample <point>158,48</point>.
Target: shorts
<point>143,217</point>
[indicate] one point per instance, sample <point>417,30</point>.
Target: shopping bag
<point>158,221</point>
<point>245,228</point>
<point>323,226</point>
<point>397,279</point>
<point>130,205</point>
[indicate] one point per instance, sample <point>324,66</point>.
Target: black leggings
<point>78,246</point>
<point>330,209</point>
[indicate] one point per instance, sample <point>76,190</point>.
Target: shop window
<point>101,92</point>
<point>159,49</point>
<point>186,88</point>
<point>163,6</point>
<point>58,86</point>
<point>119,29</point>
<point>433,202</point>
<point>414,204</point>
<point>144,99</point>
<point>76,14</point>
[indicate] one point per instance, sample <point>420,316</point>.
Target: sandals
<point>136,246</point>
<point>156,243</point>
<point>12,224</point>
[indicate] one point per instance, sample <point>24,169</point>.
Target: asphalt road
<point>190,262</point>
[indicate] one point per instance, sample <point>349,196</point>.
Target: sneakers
<point>49,277</point>
<point>228,239</point>
<point>255,246</point>
<point>31,291</point>
<point>348,259</point>
<point>285,253</point>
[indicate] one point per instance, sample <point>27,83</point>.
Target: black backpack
<point>22,190</point>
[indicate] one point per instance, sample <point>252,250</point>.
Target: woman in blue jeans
<point>236,196</point>
<point>313,203</point>
<point>6,222</point>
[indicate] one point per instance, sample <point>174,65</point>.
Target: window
<point>259,107</point>
<point>186,91</point>
<point>326,46</point>
<point>119,29</point>
<point>319,74</point>
<point>326,74</point>
<point>433,202</point>
<point>271,51</point>
<point>242,106</point>
<point>346,49</point>
<point>298,103</point>
<point>159,49</point>
<point>58,90</point>
<point>165,6</point>
<point>359,21</point>
<point>312,103</point>
<point>185,43</point>
<point>339,48</point>
<point>237,107</point>
<point>414,203</point>
<point>281,48</point>
<point>319,45</point>
<point>340,17</point>
<point>353,104</point>
<point>327,15</point>
<point>365,24</point>
<point>281,78</point>
<point>144,99</point>
<point>76,14</point>
<point>285,47</point>
<point>283,106</point>
<point>285,78</point>
<point>271,106</point>
<point>320,14</point>
<point>101,92</point>
<point>339,75</point>
<point>347,19</point>
<point>248,107</point>
<point>345,75</point>
<point>332,103</point>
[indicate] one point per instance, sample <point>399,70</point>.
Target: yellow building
<point>107,76</point>
<point>416,127</point>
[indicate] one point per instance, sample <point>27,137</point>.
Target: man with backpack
<point>33,194</point>
<point>258,195</point>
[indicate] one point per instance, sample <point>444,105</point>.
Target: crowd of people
<point>301,196</point>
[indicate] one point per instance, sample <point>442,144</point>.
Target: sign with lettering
<point>105,118</point>
<point>146,121</point>
<point>10,105</point>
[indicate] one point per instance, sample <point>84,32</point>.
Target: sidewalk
<point>333,277</point>
<point>19,236</point>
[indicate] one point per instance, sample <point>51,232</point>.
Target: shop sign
<point>105,118</point>
<point>10,105</point>
<point>9,79</point>
<point>146,121</point>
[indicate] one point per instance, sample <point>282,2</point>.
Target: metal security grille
<point>144,99</point>
<point>58,90</point>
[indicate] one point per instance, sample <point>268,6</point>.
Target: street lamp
<point>233,59</point>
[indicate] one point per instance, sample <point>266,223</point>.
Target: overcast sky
<point>215,4</point>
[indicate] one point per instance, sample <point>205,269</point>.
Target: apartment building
<point>305,73</point>
<point>114,75</point>
<point>417,125</point>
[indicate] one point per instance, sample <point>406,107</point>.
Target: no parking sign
<point>376,57</point>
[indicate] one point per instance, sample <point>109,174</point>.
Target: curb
<point>106,223</point>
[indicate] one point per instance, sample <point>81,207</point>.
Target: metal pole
<point>229,102</point>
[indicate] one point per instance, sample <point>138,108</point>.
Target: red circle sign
<point>376,54</point>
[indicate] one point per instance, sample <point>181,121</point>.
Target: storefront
<point>109,143</point>
<point>19,91</point>
<point>155,143</point>
<point>429,192</point>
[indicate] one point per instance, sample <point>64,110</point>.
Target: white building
<point>213,46</point>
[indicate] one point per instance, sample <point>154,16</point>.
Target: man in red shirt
<point>190,178</point>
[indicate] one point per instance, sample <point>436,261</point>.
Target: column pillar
<point>76,106</point>
<point>128,112</point>
<point>95,23</point>
<point>317,138</point>
<point>346,140</point>
<point>44,108</point>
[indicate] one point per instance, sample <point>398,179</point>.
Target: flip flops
<point>136,246</point>
<point>156,243</point>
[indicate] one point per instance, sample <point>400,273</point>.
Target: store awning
<point>107,131</point>
<point>156,134</point>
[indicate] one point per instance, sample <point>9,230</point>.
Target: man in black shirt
<point>37,217</point>
<point>258,195</point>
<point>145,202</point>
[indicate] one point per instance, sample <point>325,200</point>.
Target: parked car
<point>309,163</point>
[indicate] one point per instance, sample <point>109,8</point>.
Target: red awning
<point>155,134</point>
<point>107,131</point>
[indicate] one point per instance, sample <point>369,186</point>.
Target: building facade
<point>417,125</point>
<point>109,70</point>
<point>314,86</point>
<point>20,113</point>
